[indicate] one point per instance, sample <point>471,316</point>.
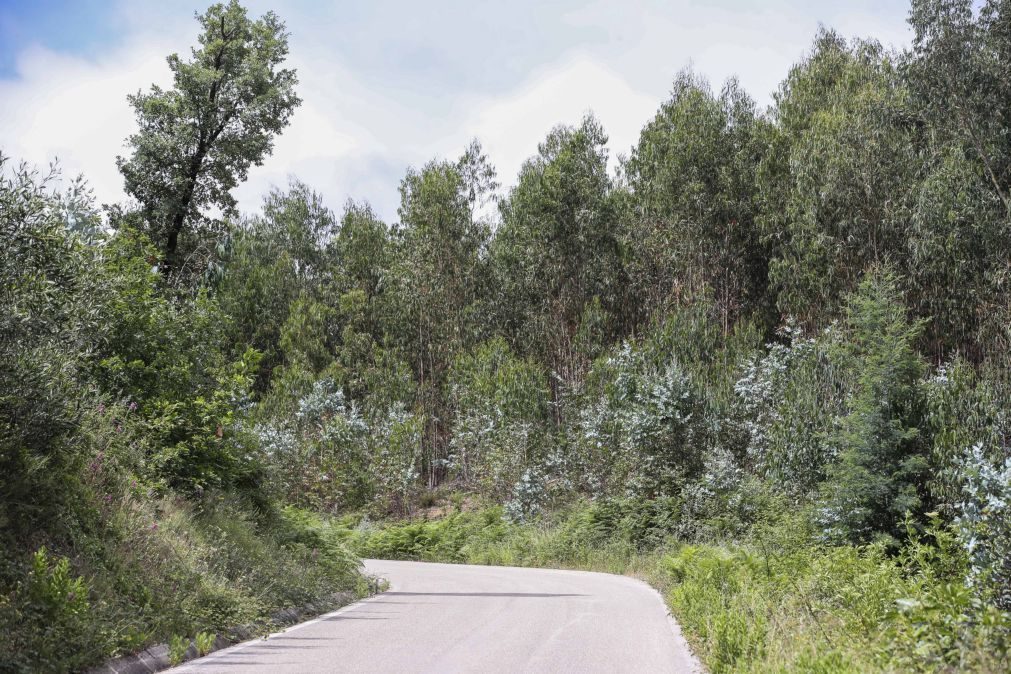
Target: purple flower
<point>133,407</point>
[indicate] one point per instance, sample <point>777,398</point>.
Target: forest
<point>760,358</point>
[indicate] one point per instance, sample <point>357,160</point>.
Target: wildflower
<point>132,407</point>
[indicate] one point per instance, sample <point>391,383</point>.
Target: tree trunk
<point>179,216</point>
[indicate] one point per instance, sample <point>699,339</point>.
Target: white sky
<point>388,85</point>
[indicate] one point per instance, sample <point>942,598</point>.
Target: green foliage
<point>282,257</point>
<point>789,398</point>
<point>204,642</point>
<point>647,426</point>
<point>787,606</point>
<point>178,645</point>
<point>198,139</point>
<point>437,276</point>
<point>836,179</point>
<point>333,457</point>
<point>880,471</point>
<point>693,230</point>
<point>501,426</point>
<point>963,409</point>
<point>49,323</point>
<point>960,61</point>
<point>157,568</point>
<point>47,618</point>
<point>558,249</point>
<point>984,521</point>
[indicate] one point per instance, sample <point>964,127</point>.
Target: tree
<point>502,415</point>
<point>960,76</point>
<point>48,322</point>
<point>835,183</point>
<point>957,73</point>
<point>437,275</point>
<point>279,258</point>
<point>557,249</point>
<point>198,139</point>
<point>881,463</point>
<point>692,177</point>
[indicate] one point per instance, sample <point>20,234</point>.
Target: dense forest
<point>764,353</point>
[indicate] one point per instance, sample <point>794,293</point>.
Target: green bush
<point>879,474</point>
<point>501,428</point>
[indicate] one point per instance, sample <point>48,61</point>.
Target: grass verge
<point>120,574</point>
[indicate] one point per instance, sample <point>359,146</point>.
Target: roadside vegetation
<point>771,601</point>
<point>762,360</point>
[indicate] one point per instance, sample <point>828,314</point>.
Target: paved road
<point>445,618</point>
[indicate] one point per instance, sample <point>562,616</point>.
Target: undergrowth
<point>128,570</point>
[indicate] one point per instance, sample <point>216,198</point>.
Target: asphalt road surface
<point>445,618</point>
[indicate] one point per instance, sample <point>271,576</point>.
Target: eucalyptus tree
<point>371,353</point>
<point>278,257</point>
<point>960,75</point>
<point>558,249</point>
<point>441,243</point>
<point>835,184</point>
<point>957,72</point>
<point>692,232</point>
<point>197,139</point>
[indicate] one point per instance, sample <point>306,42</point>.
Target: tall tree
<point>835,184</point>
<point>198,139</point>
<point>556,258</point>
<point>438,273</point>
<point>276,258</point>
<point>958,74</point>
<point>694,199</point>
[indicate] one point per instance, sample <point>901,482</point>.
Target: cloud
<point>379,95</point>
<point>75,110</point>
<point>511,126</point>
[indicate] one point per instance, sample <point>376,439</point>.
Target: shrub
<point>880,472</point>
<point>984,521</point>
<point>788,397</point>
<point>644,429</point>
<point>500,430</point>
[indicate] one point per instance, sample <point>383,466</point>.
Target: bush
<point>788,398</point>
<point>880,472</point>
<point>500,430</point>
<point>984,521</point>
<point>643,429</point>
